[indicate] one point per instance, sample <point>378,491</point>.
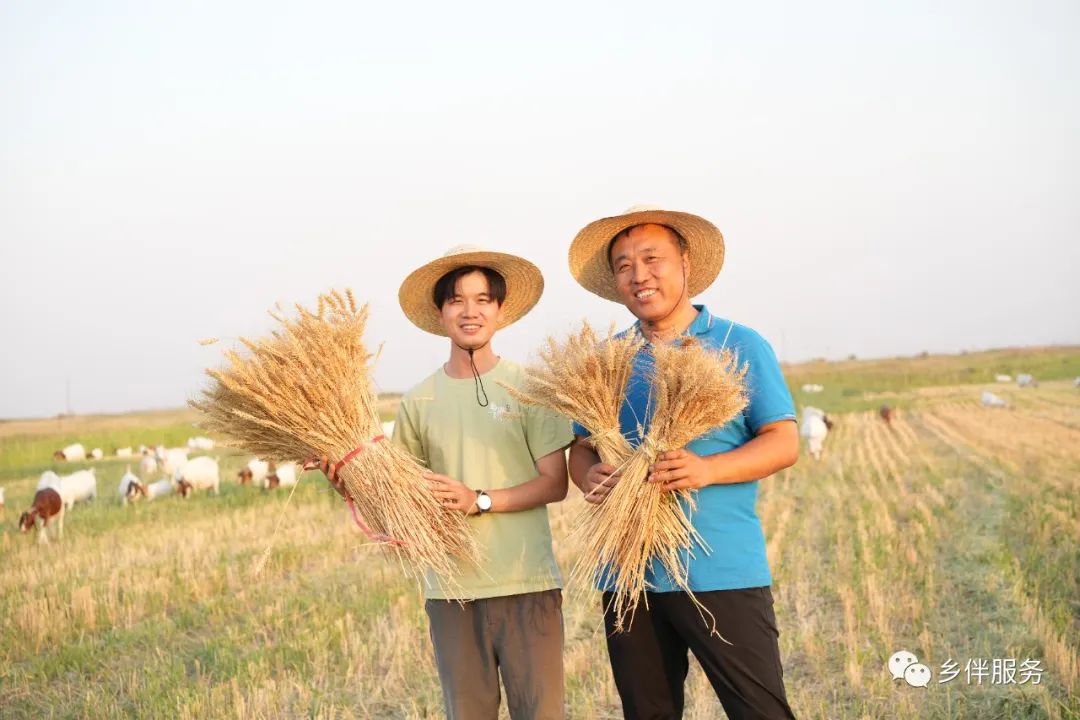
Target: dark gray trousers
<point>519,637</point>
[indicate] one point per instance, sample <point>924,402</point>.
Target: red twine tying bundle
<point>372,535</point>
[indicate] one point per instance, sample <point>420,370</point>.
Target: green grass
<point>866,384</point>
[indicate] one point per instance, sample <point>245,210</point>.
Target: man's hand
<point>599,482</point>
<point>681,470</point>
<point>453,494</point>
<point>330,471</point>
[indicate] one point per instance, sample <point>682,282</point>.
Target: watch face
<point>484,501</point>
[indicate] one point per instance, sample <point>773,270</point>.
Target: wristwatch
<point>483,501</point>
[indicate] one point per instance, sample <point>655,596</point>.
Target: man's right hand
<point>330,470</point>
<point>599,481</point>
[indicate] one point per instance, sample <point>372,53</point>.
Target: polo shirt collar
<point>701,326</point>
<point>702,323</point>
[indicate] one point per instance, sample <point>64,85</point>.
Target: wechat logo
<point>903,665</point>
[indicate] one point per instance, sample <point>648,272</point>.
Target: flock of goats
<point>180,474</point>
<point>815,423</point>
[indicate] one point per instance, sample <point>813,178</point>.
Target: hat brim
<point>524,286</point>
<point>589,251</point>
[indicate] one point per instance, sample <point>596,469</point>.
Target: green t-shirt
<point>488,448</point>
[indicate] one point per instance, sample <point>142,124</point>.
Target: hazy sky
<point>888,180</point>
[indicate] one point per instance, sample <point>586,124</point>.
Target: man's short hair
<point>679,240</point>
<point>446,287</point>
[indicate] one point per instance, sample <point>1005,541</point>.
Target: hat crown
<point>462,249</point>
<point>642,207</point>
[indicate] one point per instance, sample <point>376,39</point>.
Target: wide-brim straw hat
<point>524,285</point>
<point>589,250</point>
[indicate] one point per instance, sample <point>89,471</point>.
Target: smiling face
<point>650,271</point>
<point>471,313</point>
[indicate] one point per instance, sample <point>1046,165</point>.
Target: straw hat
<point>524,285</point>
<point>589,259</point>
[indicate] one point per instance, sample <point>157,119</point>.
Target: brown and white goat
<point>283,475</point>
<point>130,488</point>
<point>71,453</point>
<point>47,506</point>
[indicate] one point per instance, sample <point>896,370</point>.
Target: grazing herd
<point>56,494</point>
<point>815,424</point>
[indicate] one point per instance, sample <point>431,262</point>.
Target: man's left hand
<point>680,470</point>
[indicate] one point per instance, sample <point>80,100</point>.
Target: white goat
<point>48,479</point>
<point>200,443</point>
<point>199,473</point>
<point>148,466</point>
<point>173,460</point>
<point>79,486</point>
<point>161,488</point>
<point>815,426</point>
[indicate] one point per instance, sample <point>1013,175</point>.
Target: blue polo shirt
<point>726,515</point>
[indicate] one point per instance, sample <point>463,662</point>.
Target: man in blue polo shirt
<point>653,261</point>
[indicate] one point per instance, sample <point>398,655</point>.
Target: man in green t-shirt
<point>500,463</point>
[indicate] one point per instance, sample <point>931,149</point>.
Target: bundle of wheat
<point>306,392</point>
<point>585,378</point>
<point>694,389</point>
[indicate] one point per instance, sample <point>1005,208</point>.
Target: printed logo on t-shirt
<point>501,412</point>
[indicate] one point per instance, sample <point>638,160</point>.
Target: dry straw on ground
<point>306,392</point>
<point>694,389</point>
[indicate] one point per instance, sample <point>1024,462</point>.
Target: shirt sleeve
<point>769,397</point>
<point>406,432</point>
<point>545,431</point>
